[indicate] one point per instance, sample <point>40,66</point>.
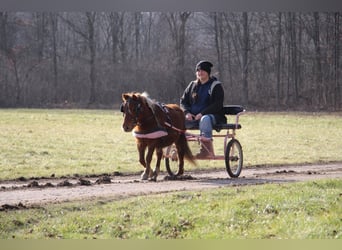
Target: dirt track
<point>25,193</point>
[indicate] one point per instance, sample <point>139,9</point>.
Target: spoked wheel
<point>234,158</point>
<point>171,160</point>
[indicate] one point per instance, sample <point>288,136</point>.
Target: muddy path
<point>24,193</point>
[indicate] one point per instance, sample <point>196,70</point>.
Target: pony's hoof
<point>180,172</point>
<point>144,177</point>
<point>154,179</point>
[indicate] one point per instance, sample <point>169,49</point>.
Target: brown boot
<point>207,150</point>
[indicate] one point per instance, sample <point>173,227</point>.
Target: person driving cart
<point>202,103</point>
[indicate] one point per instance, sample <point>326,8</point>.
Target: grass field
<point>67,142</point>
<point>309,210</point>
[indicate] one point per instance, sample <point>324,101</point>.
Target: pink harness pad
<point>152,135</point>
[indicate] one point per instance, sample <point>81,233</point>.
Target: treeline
<point>275,61</point>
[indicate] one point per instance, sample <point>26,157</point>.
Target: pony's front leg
<point>159,152</point>
<point>141,149</point>
<point>149,156</point>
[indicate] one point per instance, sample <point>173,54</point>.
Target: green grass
<point>310,210</point>
<point>290,138</point>
<point>63,142</point>
<point>67,142</point>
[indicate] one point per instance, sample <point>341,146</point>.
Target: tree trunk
<point>54,25</point>
<point>245,50</point>
<point>114,30</point>
<point>17,85</point>
<point>278,62</point>
<point>92,48</point>
<point>3,32</point>
<point>337,35</point>
<point>40,18</point>
<point>219,42</point>
<point>294,65</point>
<point>122,39</point>
<point>137,19</point>
<point>299,69</point>
<point>3,50</point>
<point>230,40</point>
<point>320,89</point>
<point>177,24</point>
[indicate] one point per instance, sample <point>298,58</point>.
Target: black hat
<point>204,65</point>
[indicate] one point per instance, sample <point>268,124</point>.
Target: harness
<point>160,131</point>
<point>152,135</point>
<point>165,110</point>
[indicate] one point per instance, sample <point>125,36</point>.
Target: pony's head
<point>133,107</point>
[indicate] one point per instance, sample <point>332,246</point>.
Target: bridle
<point>124,108</point>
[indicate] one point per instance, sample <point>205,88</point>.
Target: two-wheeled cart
<point>233,154</point>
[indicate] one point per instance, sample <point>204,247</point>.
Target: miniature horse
<point>155,126</point>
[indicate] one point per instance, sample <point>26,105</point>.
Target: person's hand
<point>198,116</point>
<point>189,117</point>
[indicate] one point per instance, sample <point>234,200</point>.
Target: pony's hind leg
<point>159,152</point>
<point>180,152</point>
<point>184,151</point>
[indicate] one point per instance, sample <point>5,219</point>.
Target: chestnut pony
<point>155,126</point>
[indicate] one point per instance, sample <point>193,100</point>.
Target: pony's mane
<point>144,97</point>
<point>148,100</point>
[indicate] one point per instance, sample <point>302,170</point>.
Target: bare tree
<point>219,42</point>
<point>177,24</point>
<point>3,31</point>
<point>10,52</point>
<point>137,23</point>
<point>41,33</point>
<point>278,59</point>
<point>4,53</point>
<point>321,94</point>
<point>54,28</point>
<point>292,82</point>
<point>337,54</point>
<point>114,18</point>
<point>245,52</point>
<point>267,59</point>
<point>123,39</point>
<point>91,17</point>
<point>87,32</point>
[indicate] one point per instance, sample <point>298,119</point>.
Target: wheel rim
<point>171,162</point>
<point>234,158</point>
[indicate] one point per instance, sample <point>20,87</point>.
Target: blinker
<point>122,108</point>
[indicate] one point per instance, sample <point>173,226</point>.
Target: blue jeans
<point>206,125</point>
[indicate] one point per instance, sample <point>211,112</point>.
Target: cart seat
<point>217,127</point>
<point>236,110</point>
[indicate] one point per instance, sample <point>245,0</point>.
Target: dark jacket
<point>215,106</point>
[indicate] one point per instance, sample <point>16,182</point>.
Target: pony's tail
<point>187,151</point>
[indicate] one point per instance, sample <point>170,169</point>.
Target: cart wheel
<point>234,158</point>
<point>171,160</point>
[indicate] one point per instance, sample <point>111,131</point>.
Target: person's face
<point>202,75</point>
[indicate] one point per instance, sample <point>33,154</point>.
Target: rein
<point>175,128</point>
<point>165,110</point>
